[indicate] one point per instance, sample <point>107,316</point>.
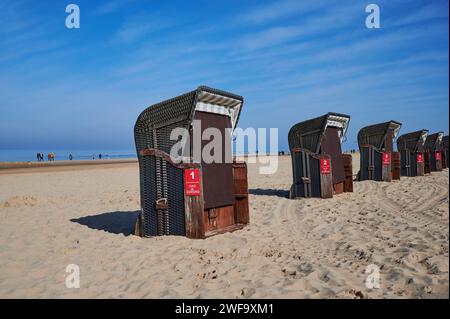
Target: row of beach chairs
<point>199,200</point>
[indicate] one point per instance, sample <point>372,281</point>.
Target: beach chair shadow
<point>269,192</point>
<point>118,222</point>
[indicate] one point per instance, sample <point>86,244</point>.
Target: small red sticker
<point>419,158</point>
<point>192,181</point>
<point>386,158</point>
<point>438,156</point>
<point>325,166</point>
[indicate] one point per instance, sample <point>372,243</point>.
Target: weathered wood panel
<point>438,159</point>
<point>326,178</point>
<point>348,169</point>
<point>195,227</point>
<point>218,217</point>
<point>241,210</point>
<point>338,188</point>
<point>427,162</point>
<point>420,164</point>
<point>386,173</point>
<point>396,165</point>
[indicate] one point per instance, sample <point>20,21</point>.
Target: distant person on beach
<point>38,155</point>
<point>70,157</point>
<point>93,156</point>
<point>99,156</point>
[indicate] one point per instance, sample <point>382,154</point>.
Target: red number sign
<point>192,181</point>
<point>438,156</point>
<point>419,158</point>
<point>386,158</point>
<point>325,166</point>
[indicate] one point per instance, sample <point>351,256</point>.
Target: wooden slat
<point>230,228</point>
<point>386,174</point>
<point>396,165</point>
<point>326,181</point>
<point>348,169</point>
<point>241,210</point>
<point>193,208</point>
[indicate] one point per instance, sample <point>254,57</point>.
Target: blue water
<point>63,155</point>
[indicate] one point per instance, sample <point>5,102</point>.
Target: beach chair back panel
<point>217,177</point>
<point>331,145</point>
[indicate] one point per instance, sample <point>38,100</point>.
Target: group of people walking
<point>50,157</point>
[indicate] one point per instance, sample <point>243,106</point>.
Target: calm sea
<point>63,155</point>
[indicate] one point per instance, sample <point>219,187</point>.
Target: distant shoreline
<point>65,165</point>
<point>17,167</point>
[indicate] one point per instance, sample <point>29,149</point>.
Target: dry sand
<point>306,248</point>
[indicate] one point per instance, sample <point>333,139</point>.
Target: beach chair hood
<point>375,135</point>
<point>309,134</point>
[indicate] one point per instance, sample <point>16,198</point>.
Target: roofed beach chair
<point>188,197</point>
<point>433,152</point>
<point>318,165</point>
<point>411,148</point>
<point>376,146</point>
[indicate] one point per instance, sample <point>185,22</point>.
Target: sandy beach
<point>306,248</point>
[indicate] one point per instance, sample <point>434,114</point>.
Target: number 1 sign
<point>192,182</point>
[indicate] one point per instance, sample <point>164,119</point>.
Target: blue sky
<point>291,60</point>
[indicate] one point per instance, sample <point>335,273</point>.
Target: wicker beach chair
<point>433,152</point>
<point>376,146</point>
<point>411,148</point>
<point>319,167</point>
<point>188,198</point>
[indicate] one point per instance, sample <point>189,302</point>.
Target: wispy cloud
<point>280,9</point>
<point>425,13</point>
<point>112,6</point>
<point>332,18</point>
<point>139,26</point>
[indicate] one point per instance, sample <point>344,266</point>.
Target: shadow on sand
<point>112,222</point>
<point>269,192</point>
